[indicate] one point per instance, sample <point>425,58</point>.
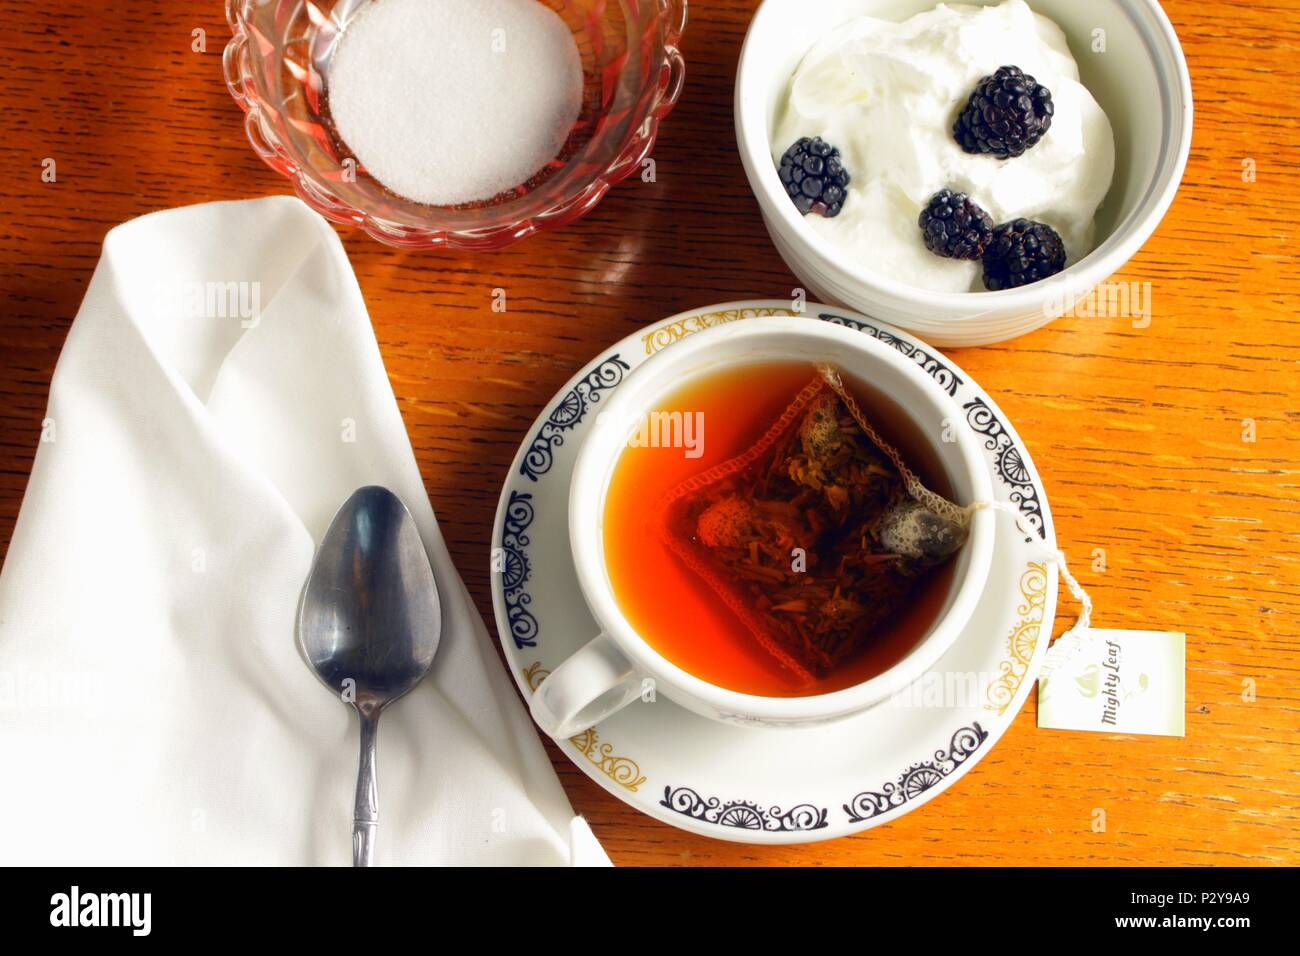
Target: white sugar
<point>450,101</point>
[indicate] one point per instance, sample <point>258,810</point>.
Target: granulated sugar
<point>451,101</point>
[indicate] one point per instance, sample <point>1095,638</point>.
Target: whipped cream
<point>887,94</point>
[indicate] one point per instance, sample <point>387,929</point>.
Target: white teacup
<point>617,666</point>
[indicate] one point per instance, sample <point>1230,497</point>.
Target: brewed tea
<point>754,558</point>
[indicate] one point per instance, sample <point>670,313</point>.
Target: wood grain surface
<point>1137,432</point>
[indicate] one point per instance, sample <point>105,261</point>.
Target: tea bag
<point>925,526</point>
<point>817,535</point>
<point>914,531</point>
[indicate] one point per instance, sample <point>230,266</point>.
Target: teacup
<point>618,665</point>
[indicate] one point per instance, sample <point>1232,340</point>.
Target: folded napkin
<point>219,396</point>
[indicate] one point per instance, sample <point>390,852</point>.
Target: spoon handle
<point>365,814</point>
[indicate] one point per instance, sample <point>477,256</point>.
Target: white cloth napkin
<point>154,707</point>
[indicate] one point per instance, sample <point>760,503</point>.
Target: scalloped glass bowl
<point>276,67</point>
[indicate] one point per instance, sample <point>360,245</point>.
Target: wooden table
<point>1138,432</point>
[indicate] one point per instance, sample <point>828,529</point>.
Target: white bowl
<point>1141,81</point>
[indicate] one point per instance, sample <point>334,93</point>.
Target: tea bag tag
<point>1109,681</point>
<point>1115,681</point>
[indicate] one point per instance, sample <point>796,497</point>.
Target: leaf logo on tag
<point>1143,683</point>
<point>1088,682</point>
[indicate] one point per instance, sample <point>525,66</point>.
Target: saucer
<point>775,785</point>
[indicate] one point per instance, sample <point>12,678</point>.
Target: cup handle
<point>592,684</point>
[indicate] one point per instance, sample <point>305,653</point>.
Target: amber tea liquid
<point>675,611</point>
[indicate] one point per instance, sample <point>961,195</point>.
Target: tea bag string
<point>915,487</point>
<point>1069,643</point>
<point>1071,640</point>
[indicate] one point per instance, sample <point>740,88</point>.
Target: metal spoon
<point>369,625</point>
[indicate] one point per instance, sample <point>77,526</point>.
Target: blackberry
<point>1006,114</point>
<point>814,176</point>
<point>1022,251</point>
<point>955,227</point>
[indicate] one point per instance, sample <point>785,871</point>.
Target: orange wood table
<point>1137,432</point>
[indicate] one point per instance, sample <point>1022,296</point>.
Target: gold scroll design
<point>1022,640</point>
<point>665,335</point>
<point>624,771</point>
